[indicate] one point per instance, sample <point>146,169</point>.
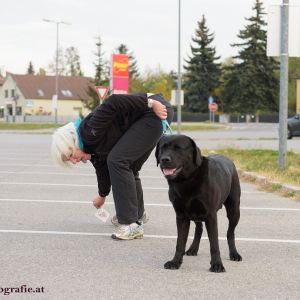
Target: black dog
<point>198,186</point>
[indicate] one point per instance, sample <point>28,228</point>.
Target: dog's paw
<point>235,256</point>
<point>191,252</point>
<point>172,265</point>
<point>217,267</point>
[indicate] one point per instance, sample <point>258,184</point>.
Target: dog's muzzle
<point>168,170</point>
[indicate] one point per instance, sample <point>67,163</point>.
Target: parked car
<point>293,126</point>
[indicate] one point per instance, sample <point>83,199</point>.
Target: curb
<point>286,190</point>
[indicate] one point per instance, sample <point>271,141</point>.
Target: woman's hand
<point>99,201</point>
<point>159,109</point>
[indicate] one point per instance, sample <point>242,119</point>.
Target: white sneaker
<point>144,219</point>
<point>128,232</point>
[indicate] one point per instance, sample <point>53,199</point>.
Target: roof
<point>43,87</point>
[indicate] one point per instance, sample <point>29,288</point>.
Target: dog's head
<point>178,156</point>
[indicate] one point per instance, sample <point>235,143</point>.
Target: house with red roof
<point>30,95</point>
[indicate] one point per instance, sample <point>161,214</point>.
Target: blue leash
<point>165,126</point>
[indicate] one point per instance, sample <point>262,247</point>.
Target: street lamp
<point>55,99</point>
<point>178,92</point>
<point>283,93</point>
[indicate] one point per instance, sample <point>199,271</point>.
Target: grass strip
<point>37,126</point>
<point>261,168</point>
<point>25,126</point>
<point>265,163</point>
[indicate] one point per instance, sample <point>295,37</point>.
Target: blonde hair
<point>64,143</point>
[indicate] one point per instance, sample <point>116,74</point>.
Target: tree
<point>72,59</point>
<point>294,73</point>
<point>202,71</point>
<point>30,69</point>
<point>99,63</point>
<point>61,63</point>
<point>101,75</point>
<point>219,91</point>
<point>41,72</point>
<point>133,68</point>
<point>251,84</point>
<point>158,81</point>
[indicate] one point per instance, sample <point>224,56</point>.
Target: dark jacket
<point>104,126</point>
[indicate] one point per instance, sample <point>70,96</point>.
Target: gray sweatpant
<point>125,161</point>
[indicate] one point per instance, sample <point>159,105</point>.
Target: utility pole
<point>178,93</point>
<point>56,64</point>
<point>283,98</point>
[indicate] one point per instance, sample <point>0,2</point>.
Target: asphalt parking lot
<point>50,238</point>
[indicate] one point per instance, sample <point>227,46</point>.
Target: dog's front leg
<point>193,250</point>
<point>211,224</point>
<point>183,226</point>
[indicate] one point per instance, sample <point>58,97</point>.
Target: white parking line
<point>4,231</point>
<point>91,174</point>
<point>41,165</point>
<point>24,159</point>
<point>146,204</point>
<point>93,185</point>
<point>67,185</point>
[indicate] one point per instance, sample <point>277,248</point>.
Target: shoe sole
<point>139,236</point>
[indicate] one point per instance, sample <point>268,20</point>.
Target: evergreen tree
<point>133,68</point>
<point>202,71</point>
<point>72,62</point>
<point>251,85</point>
<point>30,69</point>
<point>99,63</point>
<point>101,76</point>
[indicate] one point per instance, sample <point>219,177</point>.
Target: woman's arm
<point>103,178</point>
<point>105,114</point>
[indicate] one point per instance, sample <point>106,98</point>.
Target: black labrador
<point>198,187</point>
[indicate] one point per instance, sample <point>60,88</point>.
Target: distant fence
<point>229,118</point>
<point>185,117</point>
<point>39,119</point>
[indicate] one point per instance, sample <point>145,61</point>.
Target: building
<point>1,107</point>
<point>31,95</point>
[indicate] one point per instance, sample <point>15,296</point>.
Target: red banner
<point>120,71</point>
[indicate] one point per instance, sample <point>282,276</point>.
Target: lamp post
<point>178,92</point>
<point>55,97</point>
<point>283,101</point>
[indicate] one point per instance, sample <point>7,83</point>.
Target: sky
<point>149,28</point>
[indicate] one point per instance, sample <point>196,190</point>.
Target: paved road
<point>50,238</point>
<point>244,136</point>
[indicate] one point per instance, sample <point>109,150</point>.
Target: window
<point>6,93</point>
<point>67,93</point>
<point>40,93</point>
<point>12,93</point>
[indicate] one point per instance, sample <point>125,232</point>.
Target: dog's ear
<point>197,157</point>
<point>157,153</point>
